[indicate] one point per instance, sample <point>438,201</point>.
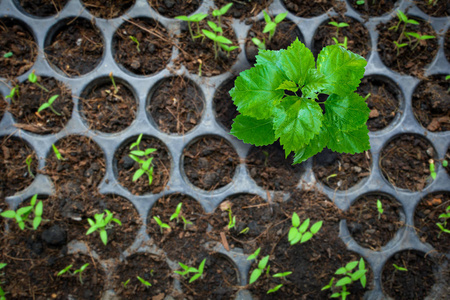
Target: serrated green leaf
<point>356,141</point>
<point>314,83</point>
<point>288,85</point>
<point>344,281</point>
<point>316,145</point>
<point>272,58</point>
<point>253,131</point>
<point>296,61</point>
<point>343,69</point>
<point>347,112</point>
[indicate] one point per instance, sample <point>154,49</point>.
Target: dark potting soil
<point>3,106</point>
<point>341,171</point>
<point>407,60</point>
<point>416,283</point>
<point>24,108</point>
<point>435,8</point>
<point>243,9</point>
<point>224,107</point>
<point>14,173</point>
<point>107,9</point>
<point>15,37</point>
<point>149,267</point>
<point>271,170</point>
<point>384,100</point>
<point>431,103</point>
<point>75,48</point>
<point>447,45</point>
<point>368,227</point>
<point>176,105</point>
<point>373,8</point>
<point>107,109</point>
<point>198,56</point>
<point>286,33</point>
<point>182,241</point>
<point>308,9</point>
<point>152,53</point>
<point>126,166</point>
<point>404,162</point>
<point>210,163</point>
<point>447,158</point>
<point>42,8</point>
<point>174,8</point>
<point>427,216</point>
<point>358,40</point>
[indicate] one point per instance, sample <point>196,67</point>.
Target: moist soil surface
<point>24,107</point>
<point>174,8</point>
<point>107,9</point>
<point>224,107</point>
<point>243,9</point>
<point>42,8</point>
<point>308,9</point>
<point>176,106</point>
<point>436,8</point>
<point>373,8</point>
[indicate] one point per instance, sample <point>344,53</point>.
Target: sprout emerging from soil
<point>260,44</point>
<point>400,268</point>
<point>125,283</point>
<point>33,79</point>
<point>186,270</point>
<point>161,224</point>
<point>144,282</point>
<point>254,255</point>
<point>176,215</point>
<point>22,214</point>
<point>14,92</point>
<point>48,104</point>
<point>7,55</point>
<point>271,26</point>
<point>336,39</point>
<point>102,224</point>
<point>28,161</point>
<point>114,82</point>
<point>299,233</point>
<point>220,12</point>
<point>135,40</point>
<point>260,269</point>
<point>57,153</point>
<point>432,169</point>
<point>145,162</point>
<point>79,271</point>
<point>196,19</point>
<point>443,225</point>
<point>379,208</point>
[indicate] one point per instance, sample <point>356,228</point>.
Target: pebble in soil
<point>373,8</point>
<point>108,9</point>
<point>173,8</point>
<point>16,37</point>
<point>184,239</point>
<point>176,105</point>
<point>431,103</point>
<point>427,215</point>
<point>14,173</point>
<point>75,48</point>
<point>341,171</point>
<point>404,162</point>
<point>107,108</point>
<point>25,106</point>
<point>243,9</point>
<point>370,228</point>
<point>42,8</point>
<point>125,167</point>
<point>210,162</point>
<point>308,9</point>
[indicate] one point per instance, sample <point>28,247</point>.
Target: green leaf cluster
<point>348,278</point>
<point>22,214</point>
<point>443,226</point>
<point>198,273</point>
<point>102,224</point>
<point>298,231</point>
<point>78,271</point>
<point>142,158</point>
<point>268,112</point>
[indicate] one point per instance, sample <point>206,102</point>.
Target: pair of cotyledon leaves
<point>267,113</point>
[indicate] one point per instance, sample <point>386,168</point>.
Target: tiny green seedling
<point>22,214</point>
<point>217,39</point>
<point>403,269</point>
<point>244,231</point>
<point>8,54</point>
<point>433,173</point>
<point>48,104</point>
<point>231,219</point>
<point>125,283</point>
<point>14,92</point>
<point>276,288</point>
<point>185,222</point>
<point>336,38</point>
<point>220,12</point>
<point>403,18</point>
<point>135,40</point>
<point>33,79</point>
<point>57,153</point>
<point>177,212</point>
<point>102,224</point>
<point>79,271</point>
<point>196,19</point>
<point>299,233</point>
<point>28,161</point>
<point>260,44</point>
<point>186,270</point>
<point>254,255</point>
<point>260,269</point>
<point>113,82</point>
<point>379,208</point>
<point>279,275</point>
<point>271,26</point>
<point>161,224</point>
<point>443,226</point>
<point>145,162</point>
<point>144,282</point>
<point>399,45</point>
<point>418,38</point>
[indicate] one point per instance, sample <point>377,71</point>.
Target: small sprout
<point>259,270</point>
<point>379,208</point>
<point>271,26</point>
<point>33,79</point>
<point>8,54</point>
<point>48,104</point>
<point>198,272</point>
<point>186,222</point>
<point>161,224</point>
<point>28,161</point>
<point>220,12</point>
<point>398,46</point>
<point>338,25</point>
<point>400,268</point>
<point>57,153</point>
<point>22,214</point>
<point>331,176</point>
<point>418,38</point>
<point>344,44</point>
<point>445,163</point>
<point>125,283</point>
<point>145,165</point>
<point>144,282</point>
<point>299,233</point>
<point>274,289</point>
<point>260,44</point>
<point>228,49</point>
<point>443,226</point>
<point>102,224</point>
<point>177,212</point>
<point>14,92</point>
<point>432,169</point>
<point>244,231</point>
<point>360,2</point>
<point>254,255</point>
<point>113,82</point>
<point>282,275</point>
<point>232,220</point>
<point>217,39</point>
<point>403,18</point>
<point>135,40</point>
<point>196,19</point>
<point>79,271</point>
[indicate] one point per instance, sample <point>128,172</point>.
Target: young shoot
<point>125,283</point>
<point>196,19</point>
<point>198,273</point>
<point>443,226</point>
<point>418,38</point>
<point>231,220</point>
<point>145,162</point>
<point>259,270</point>
<point>271,26</point>
<point>402,18</point>
<point>379,208</point>
<point>113,82</point>
<point>48,104</point>
<point>176,214</point>
<point>8,54</point>
<point>398,46</point>
<point>299,233</point>
<point>217,39</point>
<point>22,214</point>
<point>185,222</point>
<point>244,231</point>
<point>432,169</point>
<point>102,224</point>
<point>144,282</point>
<point>228,49</point>
<point>14,92</point>
<point>135,40</point>
<point>344,44</point>
<point>79,271</point>
<point>28,161</point>
<point>57,153</point>
<point>279,275</point>
<point>220,12</point>
<point>400,268</point>
<point>260,44</point>
<point>33,79</point>
<point>338,25</point>
<point>254,255</point>
<point>161,224</point>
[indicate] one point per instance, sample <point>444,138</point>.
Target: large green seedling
<point>22,214</point>
<point>102,224</point>
<point>268,113</point>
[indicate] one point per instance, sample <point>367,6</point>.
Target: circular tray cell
<point>341,171</point>
<point>372,227</point>
<point>427,216</point>
<point>308,9</point>
<point>270,169</point>
<point>210,162</point>
<point>15,174</point>
<point>251,215</point>
<point>431,103</point>
<point>185,236</point>
<point>174,8</point>
<point>142,46</point>
<point>19,46</point>
<point>373,8</point>
<point>198,55</point>
<point>358,39</point>
<point>125,167</point>
<point>404,162</point>
<point>243,9</point>
<point>41,8</point>
<point>415,283</point>
<point>31,96</point>
<point>434,8</point>
<point>148,267</point>
<point>176,105</point>
<point>413,58</point>
<point>220,278</point>
<point>80,169</point>
<point>312,263</point>
<point>107,108</point>
<point>286,33</point>
<point>75,47</point>
<point>107,9</point>
<point>224,107</point>
<point>384,100</point>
